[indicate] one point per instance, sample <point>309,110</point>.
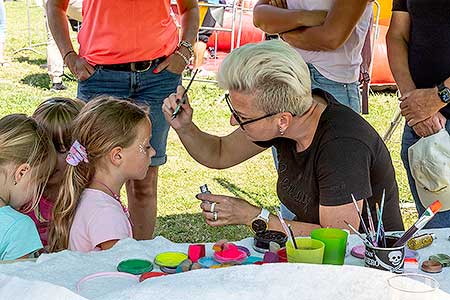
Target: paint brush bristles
<point>363,224</point>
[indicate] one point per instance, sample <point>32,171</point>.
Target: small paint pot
<point>261,242</point>
<point>196,251</point>
<point>135,266</point>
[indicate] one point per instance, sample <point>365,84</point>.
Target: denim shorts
<point>345,93</point>
<point>409,138</point>
<point>145,88</point>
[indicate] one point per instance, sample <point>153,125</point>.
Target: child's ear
<point>21,171</point>
<point>116,156</point>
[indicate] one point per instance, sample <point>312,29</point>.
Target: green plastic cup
<point>335,241</point>
<point>309,251</point>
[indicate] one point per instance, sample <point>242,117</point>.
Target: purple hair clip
<point>77,154</point>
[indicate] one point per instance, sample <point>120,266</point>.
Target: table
<point>54,276</point>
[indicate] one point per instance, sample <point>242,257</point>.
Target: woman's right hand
<point>184,116</point>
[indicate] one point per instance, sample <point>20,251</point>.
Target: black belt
<point>139,66</point>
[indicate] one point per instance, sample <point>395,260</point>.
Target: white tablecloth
<point>54,276</point>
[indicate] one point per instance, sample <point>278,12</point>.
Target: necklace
<point>117,197</point>
<point>3,201</point>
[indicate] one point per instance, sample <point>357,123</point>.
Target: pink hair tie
<point>77,154</point>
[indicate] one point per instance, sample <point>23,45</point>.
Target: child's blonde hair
<point>22,140</point>
<point>56,116</point>
<point>103,124</point>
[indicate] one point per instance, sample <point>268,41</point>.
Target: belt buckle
<point>134,69</point>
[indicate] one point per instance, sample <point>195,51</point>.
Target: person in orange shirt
<point>130,49</point>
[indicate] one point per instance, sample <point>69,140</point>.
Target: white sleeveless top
<point>342,64</point>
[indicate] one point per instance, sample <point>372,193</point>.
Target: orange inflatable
<point>249,33</point>
<point>381,73</point>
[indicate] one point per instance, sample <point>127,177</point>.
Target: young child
<point>26,160</point>
<point>111,146</point>
<point>56,116</point>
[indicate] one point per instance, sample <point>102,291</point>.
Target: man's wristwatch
<point>444,93</point>
<point>261,222</point>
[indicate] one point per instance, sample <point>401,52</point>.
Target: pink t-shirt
<point>45,209</point>
<point>99,218</point>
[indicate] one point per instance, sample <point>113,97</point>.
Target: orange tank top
<point>122,31</point>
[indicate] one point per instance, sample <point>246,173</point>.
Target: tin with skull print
<point>389,259</point>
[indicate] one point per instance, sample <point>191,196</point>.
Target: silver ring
<point>215,216</point>
<point>213,205</point>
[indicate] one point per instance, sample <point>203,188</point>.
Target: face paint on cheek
<point>143,147</point>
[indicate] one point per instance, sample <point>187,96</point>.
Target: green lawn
<point>24,84</point>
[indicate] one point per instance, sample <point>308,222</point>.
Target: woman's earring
<point>281,131</point>
<point>15,182</point>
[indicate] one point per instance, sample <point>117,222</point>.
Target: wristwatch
<point>444,93</point>
<point>261,222</point>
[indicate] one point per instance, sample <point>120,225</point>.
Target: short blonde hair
<point>272,71</point>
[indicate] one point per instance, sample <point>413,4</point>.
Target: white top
<point>342,64</point>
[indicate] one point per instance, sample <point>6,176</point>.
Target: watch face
<point>444,94</point>
<point>259,225</point>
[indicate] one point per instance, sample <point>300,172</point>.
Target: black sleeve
<point>343,168</point>
<point>399,5</point>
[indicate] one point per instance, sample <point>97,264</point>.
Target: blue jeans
<point>345,93</point>
<point>2,22</point>
<point>145,88</point>
<point>409,138</point>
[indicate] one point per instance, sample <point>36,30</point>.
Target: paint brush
<point>363,224</point>
<point>371,225</point>
<point>292,236</point>
<point>356,232</point>
<point>184,97</point>
<point>283,224</point>
<point>380,216</point>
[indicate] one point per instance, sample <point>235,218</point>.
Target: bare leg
<point>199,52</point>
<point>142,200</point>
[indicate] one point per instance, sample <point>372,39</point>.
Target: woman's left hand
<point>174,63</point>
<point>229,210</point>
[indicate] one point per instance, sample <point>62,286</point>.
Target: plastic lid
<point>170,259</point>
<point>135,266</point>
<point>148,275</point>
<point>207,262</point>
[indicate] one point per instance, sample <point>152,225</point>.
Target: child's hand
<point>184,116</point>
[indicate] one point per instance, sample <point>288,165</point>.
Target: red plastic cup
<point>196,251</point>
<point>282,256</point>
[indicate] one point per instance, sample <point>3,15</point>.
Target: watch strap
<point>264,215</point>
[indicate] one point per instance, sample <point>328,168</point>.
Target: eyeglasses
<point>238,119</point>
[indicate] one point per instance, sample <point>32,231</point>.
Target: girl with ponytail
<point>111,145</point>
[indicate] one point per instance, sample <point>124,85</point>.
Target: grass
<point>25,84</point>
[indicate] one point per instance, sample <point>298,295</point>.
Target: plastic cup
<point>387,259</point>
<point>335,241</point>
<point>309,251</point>
<point>413,287</point>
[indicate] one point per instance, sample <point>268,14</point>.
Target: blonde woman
<point>326,150</point>
<point>26,160</point>
<point>111,146</point>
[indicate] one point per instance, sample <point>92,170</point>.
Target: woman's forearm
<point>299,228</point>
<point>397,40</point>
<point>272,19</point>
<point>57,22</point>
<point>203,147</point>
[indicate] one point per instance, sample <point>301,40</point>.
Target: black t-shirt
<point>346,156</point>
<point>429,42</point>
